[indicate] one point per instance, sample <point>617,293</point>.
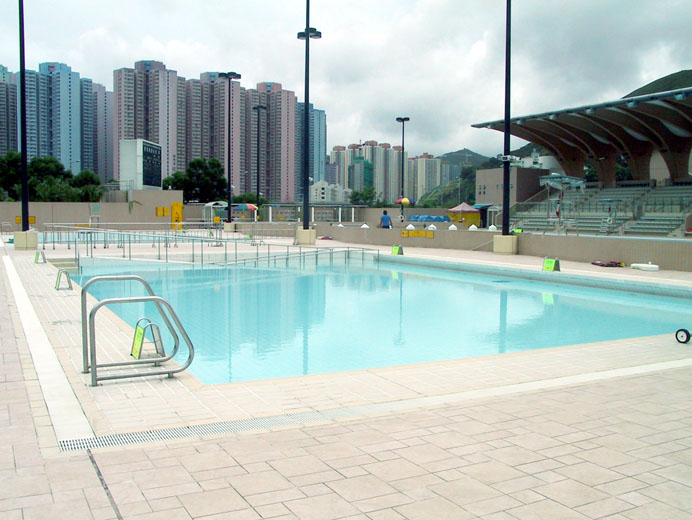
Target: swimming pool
<point>250,323</point>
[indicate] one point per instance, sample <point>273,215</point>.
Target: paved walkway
<point>587,431</point>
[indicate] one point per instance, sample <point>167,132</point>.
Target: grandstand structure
<point>652,133</point>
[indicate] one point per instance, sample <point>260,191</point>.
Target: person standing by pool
<point>385,221</point>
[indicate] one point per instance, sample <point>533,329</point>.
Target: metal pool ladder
<point>89,336</point>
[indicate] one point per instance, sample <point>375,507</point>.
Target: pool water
<point>250,323</point>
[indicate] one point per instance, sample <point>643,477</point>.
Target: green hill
<point>464,157</point>
<point>673,81</point>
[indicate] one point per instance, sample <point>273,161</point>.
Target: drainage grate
<point>199,430</point>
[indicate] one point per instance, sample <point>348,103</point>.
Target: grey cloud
<point>439,61</point>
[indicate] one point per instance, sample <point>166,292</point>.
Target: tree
<point>91,193</point>
<point>10,166</point>
<point>203,181</point>
<point>42,167</point>
<point>249,197</point>
<point>364,197</point>
<point>85,178</point>
<point>53,189</point>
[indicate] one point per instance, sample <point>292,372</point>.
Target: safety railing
<point>89,334</point>
<point>56,234</point>
<point>213,247</point>
<point>301,254</point>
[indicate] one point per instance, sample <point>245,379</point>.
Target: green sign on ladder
<point>551,264</point>
<point>137,342</point>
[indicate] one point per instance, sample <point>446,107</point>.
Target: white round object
<point>432,227</point>
<point>364,226</point>
<point>473,227</point>
<point>645,267</point>
<point>492,227</point>
<point>410,226</point>
<point>340,225</point>
<point>453,227</point>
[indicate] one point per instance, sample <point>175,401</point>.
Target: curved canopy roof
<point>632,127</point>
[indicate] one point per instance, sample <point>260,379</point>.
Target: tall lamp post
<point>230,76</point>
<point>307,34</point>
<point>506,158</point>
<point>402,120</point>
<point>257,109</point>
<point>22,108</point>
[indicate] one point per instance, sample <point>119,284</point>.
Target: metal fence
<point>198,247</point>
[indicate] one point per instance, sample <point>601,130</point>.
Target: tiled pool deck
<point>602,430</point>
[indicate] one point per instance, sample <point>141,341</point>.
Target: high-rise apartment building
<point>65,114</point>
<point>38,123</point>
<point>103,133</point>
<point>8,111</point>
<point>147,100</point>
<point>338,157</point>
<point>207,135</point>
<point>375,154</point>
<point>317,144</point>
<point>394,188</point>
<point>277,152</point>
<point>88,123</point>
<point>386,167</point>
<point>426,173</point>
<point>360,174</point>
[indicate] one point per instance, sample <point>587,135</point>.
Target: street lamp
<point>257,109</point>
<point>22,109</point>
<point>230,208</point>
<point>230,76</point>
<point>307,34</point>
<point>505,159</point>
<point>402,120</point>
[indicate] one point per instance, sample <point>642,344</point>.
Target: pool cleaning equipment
<point>645,267</point>
<point>682,335</point>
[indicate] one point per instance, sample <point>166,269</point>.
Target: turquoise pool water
<point>250,323</point>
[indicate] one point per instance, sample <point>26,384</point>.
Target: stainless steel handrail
<point>120,278</point>
<point>59,279</point>
<point>159,301</point>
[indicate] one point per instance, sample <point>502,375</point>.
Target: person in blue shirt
<point>385,221</point>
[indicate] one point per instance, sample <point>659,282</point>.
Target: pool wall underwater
<point>251,323</point>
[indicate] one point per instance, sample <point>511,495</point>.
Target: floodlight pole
<point>505,162</point>
<point>257,109</point>
<point>310,32</point>
<point>22,93</point>
<point>230,76</point>
<point>402,120</point>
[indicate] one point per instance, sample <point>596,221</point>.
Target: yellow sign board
<point>406,233</point>
<point>217,220</point>
<point>176,215</point>
<point>551,264</point>
<point>18,220</point>
<point>32,220</point>
<point>137,342</point>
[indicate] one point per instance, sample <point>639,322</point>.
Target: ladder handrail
<point>119,278</point>
<point>59,279</point>
<point>159,301</point>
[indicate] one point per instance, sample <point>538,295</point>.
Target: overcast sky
<point>440,62</point>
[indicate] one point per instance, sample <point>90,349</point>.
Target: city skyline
<point>439,62</point>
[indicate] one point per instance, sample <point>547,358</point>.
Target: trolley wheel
<point>682,335</point>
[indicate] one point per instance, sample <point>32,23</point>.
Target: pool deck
<point>602,430</point>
